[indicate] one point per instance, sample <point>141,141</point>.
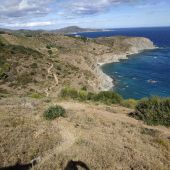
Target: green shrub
<point>48,46</point>
<point>69,92</point>
<point>82,95</point>
<point>36,95</point>
<point>108,97</point>
<point>129,103</point>
<point>54,112</point>
<point>154,111</point>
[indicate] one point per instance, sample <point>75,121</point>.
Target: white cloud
<point>88,7</point>
<point>23,8</point>
<point>31,24</point>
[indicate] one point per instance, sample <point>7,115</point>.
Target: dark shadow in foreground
<point>73,165</point>
<point>19,166</point>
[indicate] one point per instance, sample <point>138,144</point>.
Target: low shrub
<point>129,103</point>
<point>153,111</point>
<point>107,97</point>
<point>36,95</point>
<point>69,92</point>
<point>53,112</point>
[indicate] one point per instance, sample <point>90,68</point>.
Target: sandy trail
<point>49,72</point>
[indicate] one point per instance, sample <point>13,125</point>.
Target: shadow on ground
<point>19,166</point>
<point>73,165</point>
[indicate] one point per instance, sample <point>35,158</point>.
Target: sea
<point>145,74</point>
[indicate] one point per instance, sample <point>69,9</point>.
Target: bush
<point>36,95</point>
<point>130,103</point>
<point>154,111</point>
<point>108,97</point>
<point>48,46</point>
<point>54,112</point>
<point>69,92</point>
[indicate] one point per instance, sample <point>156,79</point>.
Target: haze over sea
<point>145,74</point>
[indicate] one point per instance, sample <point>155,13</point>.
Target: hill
<point>95,134</point>
<point>38,62</point>
<point>65,30</point>
<point>74,29</point>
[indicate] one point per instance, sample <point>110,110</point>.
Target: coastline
<point>106,82</point>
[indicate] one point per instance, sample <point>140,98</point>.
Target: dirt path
<point>49,72</point>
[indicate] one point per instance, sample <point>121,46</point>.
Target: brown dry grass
<point>103,137</point>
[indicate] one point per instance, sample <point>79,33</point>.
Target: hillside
<point>48,62</point>
<point>94,134</point>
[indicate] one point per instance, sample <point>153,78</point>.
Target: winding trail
<point>50,72</point>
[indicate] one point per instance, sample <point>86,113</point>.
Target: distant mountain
<point>73,29</point>
<point>66,30</point>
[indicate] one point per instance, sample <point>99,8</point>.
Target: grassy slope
<point>103,137</point>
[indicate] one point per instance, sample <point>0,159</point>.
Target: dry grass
<point>102,137</point>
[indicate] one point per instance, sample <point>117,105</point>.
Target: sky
<point>54,14</point>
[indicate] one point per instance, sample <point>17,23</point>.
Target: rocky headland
<point>133,45</point>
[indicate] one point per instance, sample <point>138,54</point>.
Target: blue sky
<point>53,14</point>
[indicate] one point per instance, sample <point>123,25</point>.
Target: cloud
<point>23,8</point>
<point>39,13</point>
<point>35,24</point>
<point>89,7</point>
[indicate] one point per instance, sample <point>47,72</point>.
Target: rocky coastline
<point>138,45</point>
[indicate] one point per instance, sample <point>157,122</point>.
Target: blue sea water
<point>145,74</point>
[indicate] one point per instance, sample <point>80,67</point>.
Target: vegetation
<point>50,52</point>
<point>153,111</point>
<point>130,103</point>
<point>106,97</point>
<point>36,95</point>
<point>24,79</point>
<point>54,112</point>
